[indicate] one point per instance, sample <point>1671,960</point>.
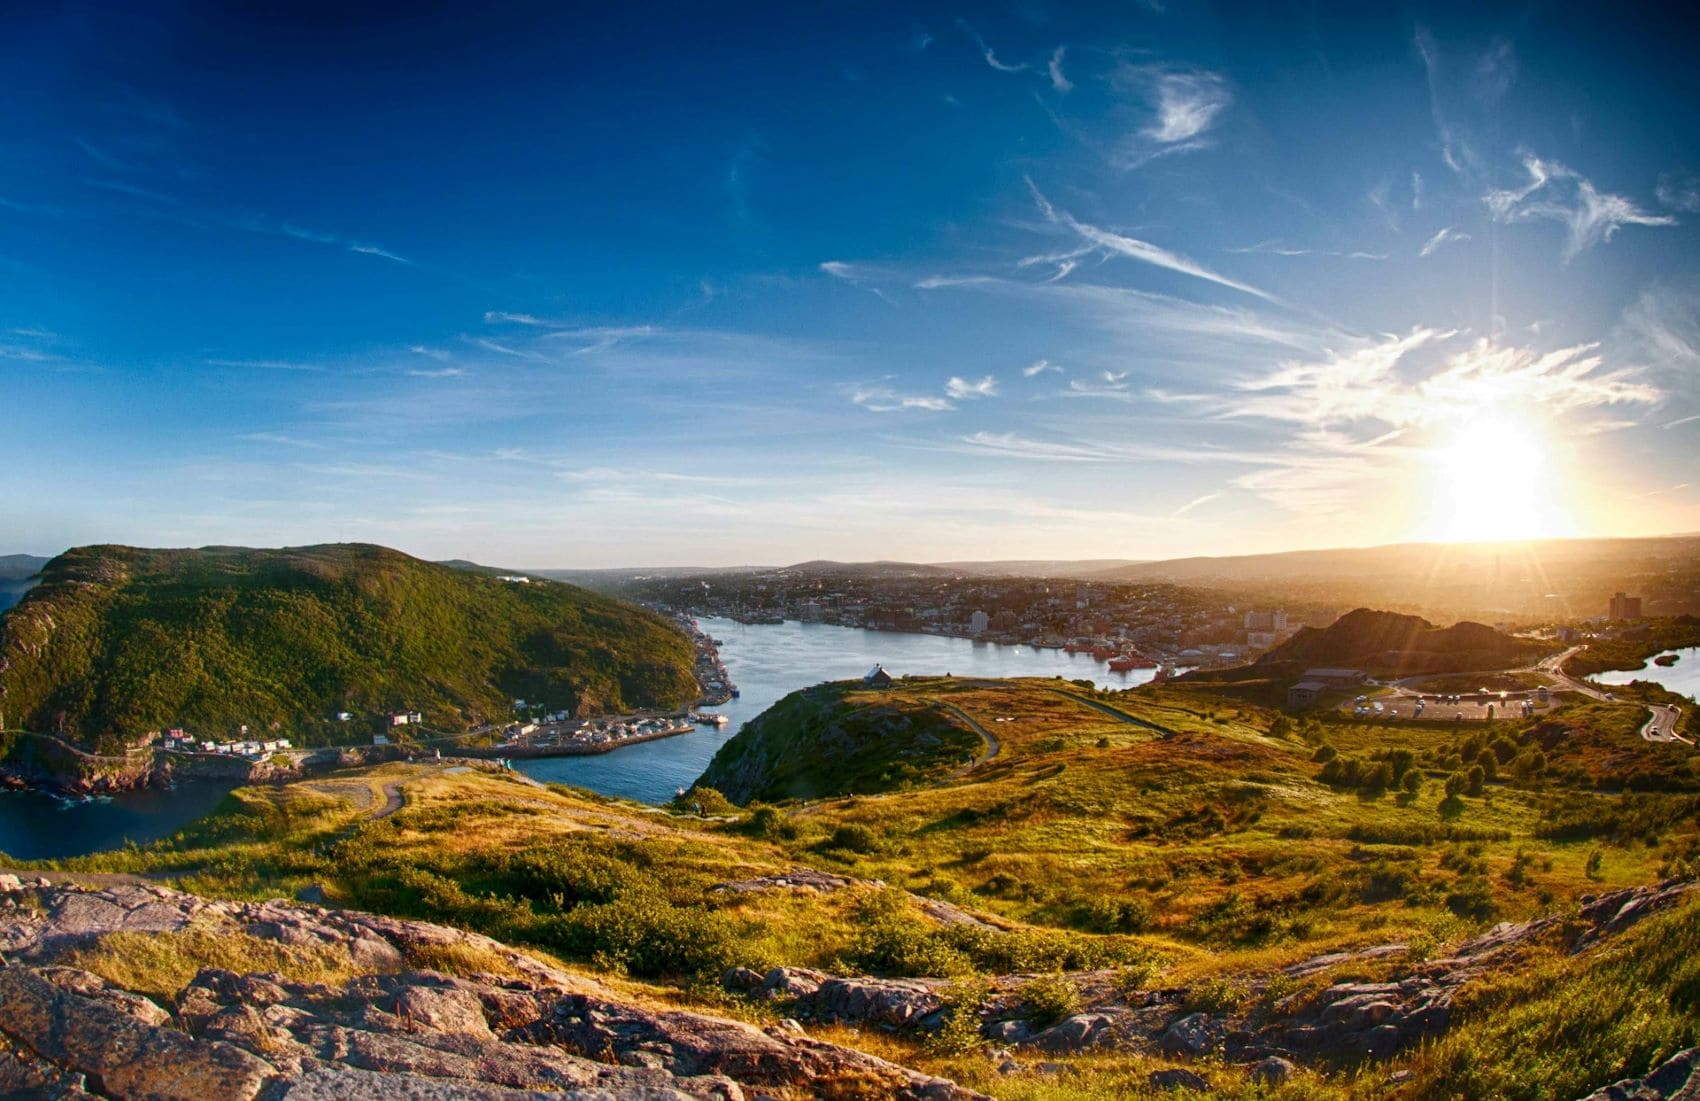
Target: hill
<point>1138,888</point>
<point>840,739</point>
<point>117,641</point>
<point>1402,645</point>
<point>1542,579</point>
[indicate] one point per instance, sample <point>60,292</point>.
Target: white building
<point>978,622</point>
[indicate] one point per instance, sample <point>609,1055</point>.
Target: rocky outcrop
<point>1676,1079</point>
<point>384,1027</point>
<point>1346,1020</point>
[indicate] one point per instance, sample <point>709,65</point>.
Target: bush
<point>853,837</point>
<point>1048,999</point>
<point>1117,915</point>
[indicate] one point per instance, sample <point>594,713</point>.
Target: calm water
<point>770,662</point>
<point>1682,677</point>
<point>37,826</point>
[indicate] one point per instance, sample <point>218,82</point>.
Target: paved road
<point>1661,725</point>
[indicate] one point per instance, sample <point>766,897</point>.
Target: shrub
<point>1049,998</point>
<point>853,837</point>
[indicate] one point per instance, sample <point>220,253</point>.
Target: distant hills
<point>1387,644</point>
<point>17,575</point>
<point>118,640</point>
<point>1404,644</point>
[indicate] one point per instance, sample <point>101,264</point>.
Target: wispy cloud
<point>1039,367</point>
<point>380,253</point>
<point>264,364</point>
<point>502,317</point>
<point>881,398</point>
<point>1555,193</point>
<point>986,52</point>
<point>1276,248</point>
<point>1447,236</point>
<point>1054,68</point>
<point>960,389</point>
<point>1195,503</point>
<point>1134,249</point>
<point>437,372</point>
<point>1107,384</point>
<point>280,439</point>
<point>1679,191</point>
<point>1379,382</point>
<point>1187,102</point>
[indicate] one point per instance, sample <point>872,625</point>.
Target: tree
<point>1412,782</point>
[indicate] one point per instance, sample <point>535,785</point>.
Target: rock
<point>741,980</point>
<point>530,1031</point>
<point>1009,1032</point>
<point>312,893</point>
<point>1676,1079</point>
<point>1272,1071</point>
<point>792,982</point>
<point>1178,1078</point>
<point>1195,1034</point>
<point>1076,1033</point>
<point>10,883</point>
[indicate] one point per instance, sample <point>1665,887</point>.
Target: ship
<point>1128,662</point>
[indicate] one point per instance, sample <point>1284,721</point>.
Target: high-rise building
<point>978,622</point>
<point>1624,606</point>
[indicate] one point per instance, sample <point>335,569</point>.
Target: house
<point>877,677</point>
<point>380,739</point>
<point>344,716</point>
<point>1304,694</point>
<point>1336,678</point>
<point>400,718</point>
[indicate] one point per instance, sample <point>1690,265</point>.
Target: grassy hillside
<point>841,739</point>
<point>1162,839</point>
<point>116,641</point>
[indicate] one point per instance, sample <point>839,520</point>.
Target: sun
<point>1493,481</point>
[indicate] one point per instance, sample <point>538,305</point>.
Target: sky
<point>740,284</point>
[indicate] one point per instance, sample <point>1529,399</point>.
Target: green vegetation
<point>1635,645</point>
<point>1160,839</point>
<point>118,641</point>
<point>842,739</point>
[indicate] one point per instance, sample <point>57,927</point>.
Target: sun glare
<point>1493,481</point>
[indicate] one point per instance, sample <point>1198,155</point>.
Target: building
<point>978,622</point>
<point>1336,678</point>
<point>1624,606</point>
<point>1275,621</point>
<point>400,719</point>
<point>1304,694</point>
<point>877,677</point>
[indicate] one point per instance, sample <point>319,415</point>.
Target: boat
<point>1129,662</point>
<point>709,718</point>
<point>1103,653</point>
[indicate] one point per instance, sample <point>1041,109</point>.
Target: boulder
<point>1195,1034</point>
<point>1178,1078</point>
<point>1272,1071</point>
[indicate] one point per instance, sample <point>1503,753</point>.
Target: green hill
<point>116,641</point>
<point>841,739</point>
<point>1406,645</point>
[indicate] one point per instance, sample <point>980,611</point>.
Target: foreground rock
<point>1676,1079</point>
<point>383,1027</point>
<point>1347,1020</point>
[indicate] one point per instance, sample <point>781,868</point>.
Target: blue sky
<point>696,285</point>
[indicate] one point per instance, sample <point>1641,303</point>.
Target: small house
<point>877,677</point>
<point>1303,695</point>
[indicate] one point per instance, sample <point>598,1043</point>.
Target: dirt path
<point>993,746</point>
<point>392,801</point>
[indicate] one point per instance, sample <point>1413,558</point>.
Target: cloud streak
<point>1556,193</point>
<point>1131,248</point>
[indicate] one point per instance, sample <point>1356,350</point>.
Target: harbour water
<point>38,826</point>
<point>1683,677</point>
<point>768,662</point>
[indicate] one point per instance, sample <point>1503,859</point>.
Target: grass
<point>1188,840</point>
<point>162,964</point>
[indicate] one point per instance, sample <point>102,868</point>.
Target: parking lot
<point>1448,708</point>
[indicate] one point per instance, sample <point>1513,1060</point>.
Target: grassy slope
<point>835,739</point>
<point>1214,850</point>
<point>117,641</point>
